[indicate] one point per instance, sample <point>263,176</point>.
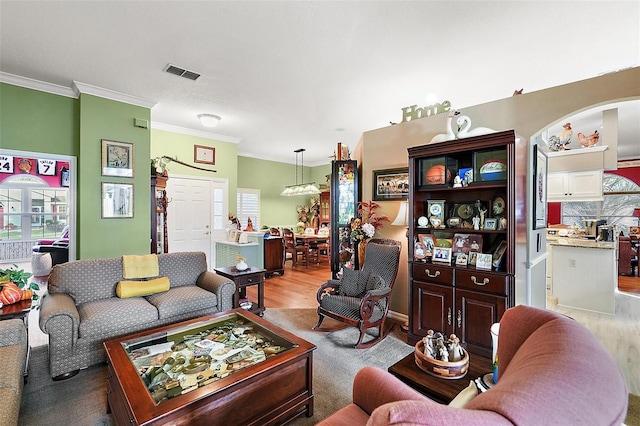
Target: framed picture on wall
<point>117,158</point>
<point>539,188</point>
<point>117,200</point>
<point>204,154</point>
<point>391,184</point>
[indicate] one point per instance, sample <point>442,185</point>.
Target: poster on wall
<point>33,171</point>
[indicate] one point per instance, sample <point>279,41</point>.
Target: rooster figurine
<point>589,141</point>
<point>559,143</point>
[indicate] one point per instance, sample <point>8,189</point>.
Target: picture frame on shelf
<point>466,243</point>
<point>462,259</point>
<point>483,261</point>
<point>490,224</point>
<point>466,175</point>
<point>429,242</point>
<point>442,254</point>
<point>498,255</point>
<point>204,154</point>
<point>391,184</point>
<point>117,158</point>
<point>539,188</point>
<point>117,200</point>
<point>419,251</point>
<point>473,257</point>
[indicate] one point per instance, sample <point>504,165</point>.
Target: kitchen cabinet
<point>451,296</point>
<point>575,186</point>
<point>159,234</point>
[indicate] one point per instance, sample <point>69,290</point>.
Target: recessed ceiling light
<point>209,120</point>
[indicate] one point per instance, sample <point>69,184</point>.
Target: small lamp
<point>402,219</point>
<point>636,213</point>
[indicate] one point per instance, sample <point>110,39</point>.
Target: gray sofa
<point>13,355</point>
<point>81,309</point>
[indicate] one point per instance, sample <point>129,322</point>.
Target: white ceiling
<point>307,74</point>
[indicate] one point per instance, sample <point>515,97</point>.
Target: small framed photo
<point>491,223</point>
<point>435,208</point>
<point>204,154</point>
<point>461,259</point>
<point>117,158</point>
<point>467,243</point>
<point>498,254</point>
<point>442,254</point>
<point>391,184</point>
<point>483,261</point>
<point>473,257</point>
<point>429,242</point>
<point>117,200</point>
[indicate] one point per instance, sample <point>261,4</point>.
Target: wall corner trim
<point>42,86</point>
<point>89,89</point>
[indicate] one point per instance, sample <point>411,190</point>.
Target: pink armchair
<point>552,371</point>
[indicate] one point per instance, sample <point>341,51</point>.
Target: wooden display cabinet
<point>325,208</point>
<point>159,234</point>
<point>447,296</point>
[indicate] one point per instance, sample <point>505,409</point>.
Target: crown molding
<point>30,83</point>
<point>89,89</point>
<point>192,132</point>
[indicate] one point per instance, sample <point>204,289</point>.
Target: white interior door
<point>195,214</point>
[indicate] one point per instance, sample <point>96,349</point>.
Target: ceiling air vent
<point>172,69</point>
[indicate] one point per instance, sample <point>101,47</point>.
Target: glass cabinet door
<point>344,203</point>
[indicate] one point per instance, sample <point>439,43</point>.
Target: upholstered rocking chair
<point>361,297</point>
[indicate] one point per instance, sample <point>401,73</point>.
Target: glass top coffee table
<point>234,367</point>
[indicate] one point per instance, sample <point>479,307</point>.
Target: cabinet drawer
<point>482,281</point>
<point>252,279</point>
<point>432,273</point>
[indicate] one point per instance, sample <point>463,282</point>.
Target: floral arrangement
<point>364,226</point>
<point>15,286</point>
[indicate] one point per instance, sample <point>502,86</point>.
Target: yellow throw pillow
<point>465,396</point>
<point>144,266</point>
<point>126,289</point>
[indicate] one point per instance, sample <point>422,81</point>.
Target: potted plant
<point>16,286</point>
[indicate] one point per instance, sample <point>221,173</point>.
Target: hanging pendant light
<point>309,188</point>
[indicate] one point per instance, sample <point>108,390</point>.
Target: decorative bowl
<point>437,368</point>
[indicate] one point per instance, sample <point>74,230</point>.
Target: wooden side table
<point>19,310</point>
<point>243,279</point>
<point>440,390</point>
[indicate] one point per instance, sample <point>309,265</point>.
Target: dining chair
<point>292,250</point>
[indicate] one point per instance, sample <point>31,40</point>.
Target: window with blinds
<point>248,205</point>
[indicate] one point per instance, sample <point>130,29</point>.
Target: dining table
<point>309,239</point>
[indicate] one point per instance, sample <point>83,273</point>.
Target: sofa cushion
<point>180,300</point>
<point>86,280</point>
<point>354,282</point>
<point>107,317</point>
<point>182,268</point>
<point>126,289</point>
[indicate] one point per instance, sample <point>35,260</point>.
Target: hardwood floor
<point>629,284</point>
<point>295,289</point>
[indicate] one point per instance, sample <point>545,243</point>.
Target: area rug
<point>82,399</point>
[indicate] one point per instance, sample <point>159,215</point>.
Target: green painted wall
<point>36,121</point>
<point>97,237</point>
<point>181,146</point>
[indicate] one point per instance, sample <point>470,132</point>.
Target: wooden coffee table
<point>440,390</point>
<point>273,391</point>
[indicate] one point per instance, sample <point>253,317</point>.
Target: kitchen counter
<point>582,243</point>
<point>584,274</point>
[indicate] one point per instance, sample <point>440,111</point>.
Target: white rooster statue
<point>559,143</point>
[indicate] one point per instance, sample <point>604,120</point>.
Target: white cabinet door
<point>575,186</point>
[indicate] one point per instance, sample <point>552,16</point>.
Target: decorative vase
<point>362,248</point>
<point>242,265</point>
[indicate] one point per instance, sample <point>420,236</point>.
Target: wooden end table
<point>243,279</point>
<point>440,390</point>
<point>19,310</point>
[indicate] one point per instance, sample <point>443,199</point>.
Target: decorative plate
<point>423,221</point>
<point>498,205</point>
<point>419,251</point>
<point>465,211</point>
<point>444,243</point>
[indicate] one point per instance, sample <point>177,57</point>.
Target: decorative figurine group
<point>443,350</point>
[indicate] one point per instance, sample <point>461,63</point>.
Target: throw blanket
<point>145,266</point>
